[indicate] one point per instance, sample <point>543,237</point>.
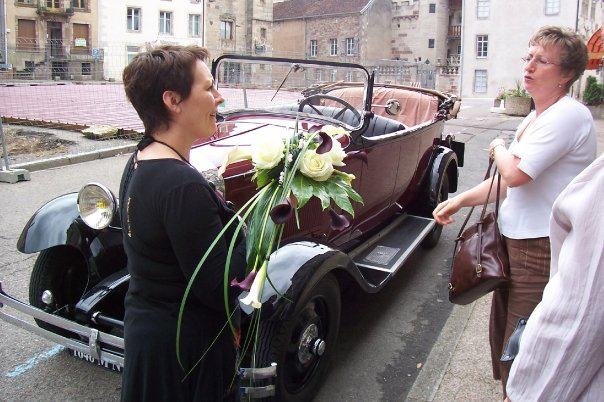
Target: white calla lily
<point>236,154</point>
<point>253,299</point>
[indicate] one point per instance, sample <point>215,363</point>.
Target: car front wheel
<point>302,346</point>
<point>58,280</point>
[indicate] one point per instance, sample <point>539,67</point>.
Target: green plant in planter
<point>594,92</point>
<point>519,91</point>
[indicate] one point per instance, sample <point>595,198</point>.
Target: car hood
<point>242,132</point>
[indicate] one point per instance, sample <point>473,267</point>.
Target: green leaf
<point>262,178</point>
<point>319,191</point>
<point>339,195</point>
<point>302,189</point>
<point>341,182</point>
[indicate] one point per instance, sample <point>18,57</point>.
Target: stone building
<point>404,41</point>
<point>496,34</point>
<point>51,39</point>
<point>223,26</point>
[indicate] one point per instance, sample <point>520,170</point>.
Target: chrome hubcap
<point>310,344</point>
<point>47,297</point>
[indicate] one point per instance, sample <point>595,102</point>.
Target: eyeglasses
<point>541,61</point>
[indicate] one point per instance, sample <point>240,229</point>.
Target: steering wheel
<point>347,106</point>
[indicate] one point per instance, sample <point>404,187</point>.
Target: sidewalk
<point>459,365</point>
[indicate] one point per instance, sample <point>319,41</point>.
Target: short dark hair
<point>573,51</point>
<point>152,72</point>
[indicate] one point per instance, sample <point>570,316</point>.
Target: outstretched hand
<point>443,211</point>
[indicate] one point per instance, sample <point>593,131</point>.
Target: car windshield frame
<point>278,85</point>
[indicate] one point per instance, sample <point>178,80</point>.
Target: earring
<point>559,85</point>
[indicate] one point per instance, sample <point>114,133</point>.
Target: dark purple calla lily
<point>338,222</point>
<point>245,284</point>
<point>282,211</point>
<point>326,143</point>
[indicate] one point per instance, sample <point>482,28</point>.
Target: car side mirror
<point>392,107</point>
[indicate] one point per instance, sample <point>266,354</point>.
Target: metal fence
<point>61,98</point>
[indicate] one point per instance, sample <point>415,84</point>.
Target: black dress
<point>170,215</point>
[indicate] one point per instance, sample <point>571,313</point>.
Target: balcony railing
<point>454,31</point>
<point>55,8</point>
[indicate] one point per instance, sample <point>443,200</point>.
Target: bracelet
<point>492,154</point>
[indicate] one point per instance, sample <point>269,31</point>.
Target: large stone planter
<point>517,105</point>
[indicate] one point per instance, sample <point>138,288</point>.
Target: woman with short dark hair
<point>170,215</point>
<point>551,146</point>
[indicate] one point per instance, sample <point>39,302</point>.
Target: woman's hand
<point>443,211</point>
<point>494,144</point>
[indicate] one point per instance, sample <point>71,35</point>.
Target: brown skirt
<point>529,270</point>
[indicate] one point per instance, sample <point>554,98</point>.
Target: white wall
<point>509,26</point>
<point>114,36</point>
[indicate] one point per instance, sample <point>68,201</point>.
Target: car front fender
<point>297,267</point>
<point>52,225</point>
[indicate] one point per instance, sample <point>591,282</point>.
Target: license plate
<point>86,357</point>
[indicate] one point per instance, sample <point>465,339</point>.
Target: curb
<point>74,158</point>
<point>437,364</point>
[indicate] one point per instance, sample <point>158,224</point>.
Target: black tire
<point>62,270</point>
<point>279,342</point>
<point>433,237</point>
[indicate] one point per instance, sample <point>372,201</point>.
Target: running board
<point>384,254</point>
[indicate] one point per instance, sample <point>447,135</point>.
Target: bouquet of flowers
<point>288,172</point>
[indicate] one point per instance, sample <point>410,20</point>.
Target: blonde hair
<point>573,51</point>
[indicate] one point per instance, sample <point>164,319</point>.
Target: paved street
<point>384,340</point>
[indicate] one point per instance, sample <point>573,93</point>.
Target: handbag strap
<point>486,201</point>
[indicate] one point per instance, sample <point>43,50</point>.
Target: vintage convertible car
<point>403,167</point>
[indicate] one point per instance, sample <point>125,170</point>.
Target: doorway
<point>55,38</point>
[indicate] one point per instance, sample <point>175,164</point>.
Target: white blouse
<point>561,355</point>
<point>559,144</point>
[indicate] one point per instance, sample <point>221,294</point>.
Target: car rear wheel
<point>61,273</point>
<point>302,346</point>
<point>433,237</point>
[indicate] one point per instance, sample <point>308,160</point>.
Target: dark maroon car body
<point>403,167</point>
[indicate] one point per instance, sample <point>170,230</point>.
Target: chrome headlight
<point>97,205</point>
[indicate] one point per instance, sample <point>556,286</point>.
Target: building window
<point>483,8</point>
<point>480,81</point>
<point>194,24</point>
<point>263,33</point>
<point>78,4</point>
<point>86,69</point>
<point>80,38</point>
<point>30,2</point>
<point>53,3</point>
<point>482,46</point>
<point>431,43</point>
<point>319,75</point>
<point>26,34</point>
<point>458,49</point>
<point>131,51</point>
<point>350,46</point>
<point>313,48</point>
<point>165,22</point>
<point>226,29</point>
<point>552,7</point>
<point>334,75</point>
<point>350,76</point>
<point>133,18</point>
<point>432,8</point>
<point>333,47</point>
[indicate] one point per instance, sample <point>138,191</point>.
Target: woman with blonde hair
<point>552,145</point>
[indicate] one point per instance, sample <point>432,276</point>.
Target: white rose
<point>333,130</point>
<point>337,154</point>
<point>317,167</point>
<point>267,151</point>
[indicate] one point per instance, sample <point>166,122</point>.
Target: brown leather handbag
<point>480,260</point>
